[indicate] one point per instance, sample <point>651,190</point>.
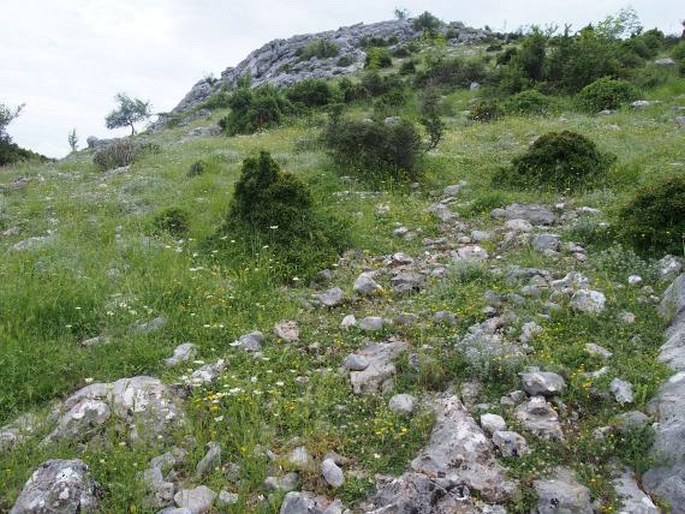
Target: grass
<point>105,271</point>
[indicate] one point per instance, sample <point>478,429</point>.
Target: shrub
<point>408,68</point>
<point>527,102</point>
<point>202,166</point>
<point>452,72</point>
<point>606,93</point>
<point>318,48</point>
<point>427,22</point>
<point>310,93</point>
<point>345,61</point>
<point>252,110</point>
<point>11,153</point>
<point>375,150</point>
<point>377,58</point>
<point>485,110</point>
<point>653,220</point>
<point>120,153</point>
<point>173,220</point>
<point>557,161</point>
<point>678,54</point>
<point>276,209</point>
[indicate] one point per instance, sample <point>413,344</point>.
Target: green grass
<point>105,270</point>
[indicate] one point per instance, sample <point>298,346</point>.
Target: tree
<point>401,13</point>
<point>130,111</point>
<point>73,140</point>
<point>7,114</point>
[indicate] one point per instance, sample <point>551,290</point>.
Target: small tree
<point>7,114</point>
<point>73,140</point>
<point>130,111</point>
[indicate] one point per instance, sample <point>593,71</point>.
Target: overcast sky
<point>66,59</point>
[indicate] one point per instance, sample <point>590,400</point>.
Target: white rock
<point>402,404</point>
<point>332,473</point>
<point>492,423</point>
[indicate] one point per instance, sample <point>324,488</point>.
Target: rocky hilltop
<point>281,63</point>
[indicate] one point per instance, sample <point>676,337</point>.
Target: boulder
<point>562,493</point>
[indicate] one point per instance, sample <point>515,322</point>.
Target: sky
<point>67,59</point>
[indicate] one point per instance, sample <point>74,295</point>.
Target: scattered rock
<point>288,482</point>
<point>331,298</point>
<point>31,243</point>
<point>348,321</point>
<point>472,253</point>
<point>631,420</point>
<point>225,498</point>
<point>300,458</point>
<point>210,461</point>
<point>534,214</point>
<point>454,189</point>
<point>510,444</point>
<point>197,501</point>
<point>542,383</point>
<point>546,243</point>
<point>403,404</point>
<point>366,285</point>
<point>95,341</point>
<point>669,267</point>
<point>591,302</point>
<point>354,362</point>
<point>460,452</point>
<point>633,499</point>
<point>58,486</point>
<point>492,423</point>
<point>377,376</point>
<point>332,473</point>
<point>207,373</point>
<point>598,350</point>
<point>287,331</point>
<point>634,280</point>
<point>183,352</point>
<point>442,212</point>
<point>538,417</point>
<point>622,391</point>
<point>562,493</point>
<point>307,503</point>
<point>407,282</point>
<point>251,342</point>
<point>371,324</point>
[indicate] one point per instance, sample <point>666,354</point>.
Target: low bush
<point>252,110</point>
<point>606,93</point>
<point>408,68</point>
<point>557,161</point>
<point>375,150</point>
<point>310,93</point>
<point>485,110</point>
<point>376,58</point>
<point>528,102</point>
<point>345,61</point>
<point>11,153</point>
<point>120,153</point>
<point>275,212</point>
<point>652,221</point>
<point>319,48</point>
<point>173,220</point>
<point>427,22</point>
<point>452,72</point>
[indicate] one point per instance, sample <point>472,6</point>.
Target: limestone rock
<point>543,383</point>
<point>532,213</point>
<point>538,417</point>
<point>371,324</point>
<point>492,423</point>
<point>332,473</point>
<point>592,302</point>
<point>562,493</point>
<point>207,373</point>
<point>183,352</point>
<point>403,404</point>
<point>331,298</point>
<point>366,285</point>
<point>511,444</point>
<point>633,500</point>
<point>251,342</point>
<point>210,461</point>
<point>287,331</point>
<point>377,376</point>
<point>59,486</point>
<point>197,501</point>
<point>622,391</point>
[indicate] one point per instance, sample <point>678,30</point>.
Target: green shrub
<point>408,68</point>
<point>427,22</point>
<point>377,58</point>
<point>252,110</point>
<point>174,221</point>
<point>452,72</point>
<point>345,61</point>
<point>202,166</point>
<point>319,48</point>
<point>11,153</point>
<point>220,100</point>
<point>120,153</point>
<point>310,93</point>
<point>678,54</point>
<point>557,161</point>
<point>606,93</point>
<point>528,102</point>
<point>275,211</point>
<point>375,150</point>
<point>653,220</point>
<point>485,110</point>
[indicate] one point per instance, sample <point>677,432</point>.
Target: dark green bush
<point>653,220</point>
<point>376,84</point>
<point>252,110</point>
<point>678,54</point>
<point>557,161</point>
<point>310,93</point>
<point>402,51</point>
<point>606,93</point>
<point>11,153</point>
<point>427,22</point>
<point>174,221</point>
<point>120,153</point>
<point>452,72</point>
<point>375,150</point>
<point>202,166</point>
<point>318,48</point>
<point>376,58</point>
<point>375,41</point>
<point>275,211</point>
<point>485,110</point>
<point>408,68</point>
<point>528,102</point>
<point>345,61</point>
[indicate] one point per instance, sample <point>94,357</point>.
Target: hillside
<point>379,315</point>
